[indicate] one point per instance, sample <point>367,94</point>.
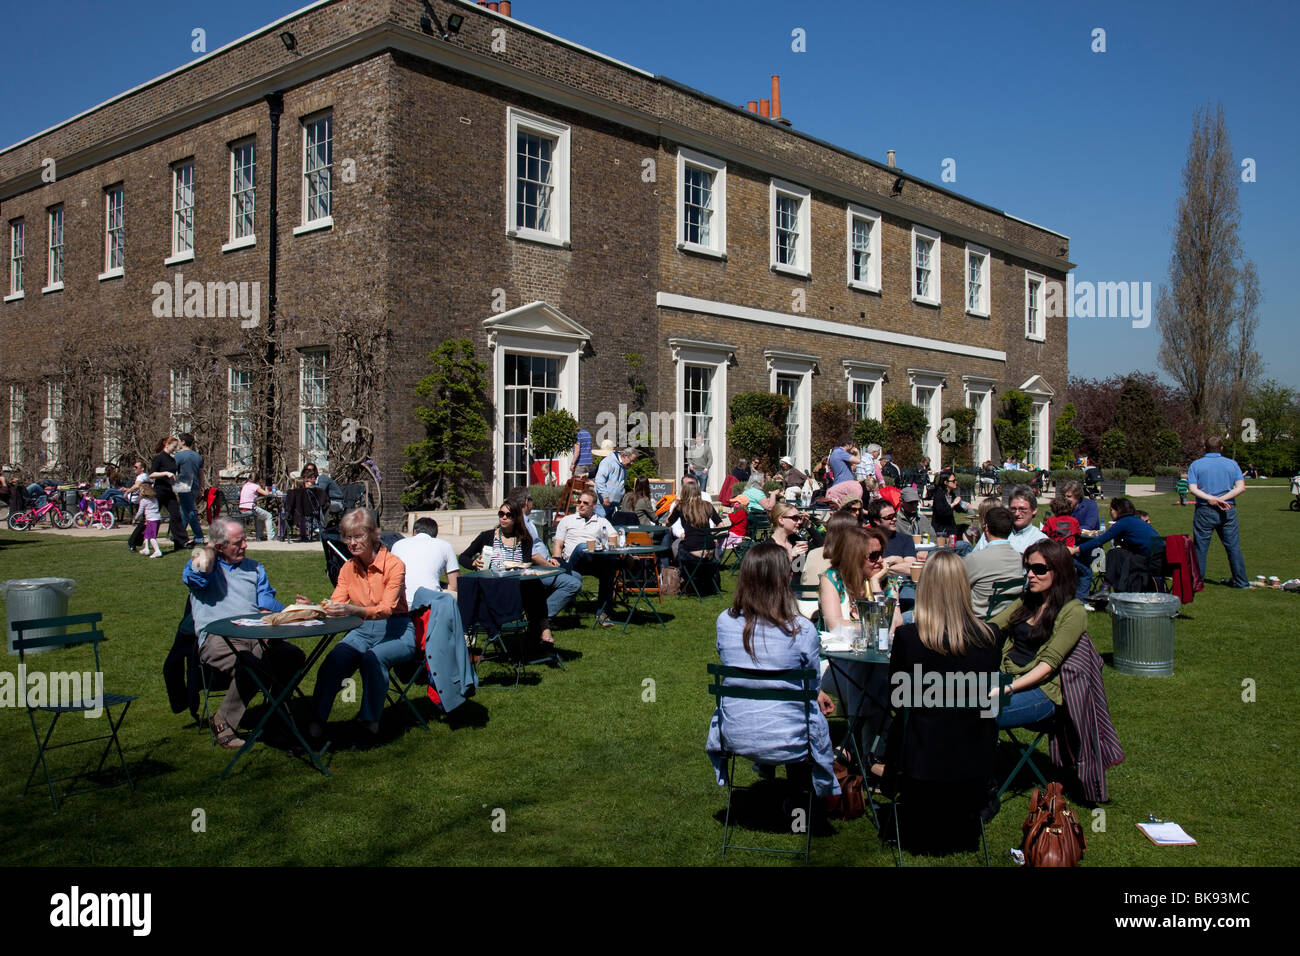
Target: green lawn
<point>587,772</point>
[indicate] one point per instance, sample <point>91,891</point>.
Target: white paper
<point>1166,834</point>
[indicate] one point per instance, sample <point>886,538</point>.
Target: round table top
<point>534,573</point>
<point>631,549</point>
<point>226,627</point>
<point>868,656</point>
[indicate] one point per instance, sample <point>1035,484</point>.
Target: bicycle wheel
<point>20,521</point>
<point>61,518</point>
<point>83,520</point>
<point>107,520</point>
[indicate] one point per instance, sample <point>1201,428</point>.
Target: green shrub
<point>965,483</point>
<point>1167,471</point>
<point>552,433</point>
<point>546,497</point>
<point>1115,474</point>
<point>646,466</point>
<point>1059,475</point>
<point>832,423</point>
<point>455,420</point>
<point>758,424</point>
<point>1012,477</point>
<point>870,431</point>
<point>1113,446</point>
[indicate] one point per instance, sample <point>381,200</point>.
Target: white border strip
<point>671,300</point>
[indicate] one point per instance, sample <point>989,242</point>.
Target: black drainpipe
<point>275,103</point>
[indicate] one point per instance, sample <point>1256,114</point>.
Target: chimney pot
<point>764,108</point>
<point>776,95</point>
<point>889,158</point>
<point>752,106</point>
<point>504,5</point>
<point>492,5</point>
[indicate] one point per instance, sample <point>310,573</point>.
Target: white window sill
<point>241,243</point>
<point>701,250</point>
<point>316,226</point>
<point>864,287</point>
<point>532,235</point>
<point>791,270</point>
<point>924,301</point>
<point>977,315</point>
<point>112,274</point>
<point>187,256</point>
<point>15,296</point>
<point>1035,338</point>
<point>53,287</point>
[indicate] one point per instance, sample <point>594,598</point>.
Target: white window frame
<point>855,214</point>
<point>980,390</point>
<point>308,124</point>
<point>982,308</point>
<point>803,367</point>
<point>114,233</point>
<point>306,360</point>
<point>233,414</point>
<point>717,244</point>
<point>1036,301</point>
<point>17,411</point>
<point>236,240</point>
<point>181,401</point>
<point>523,344</point>
<point>802,265</point>
<point>873,376</point>
<point>54,418</point>
<point>183,175</point>
<point>17,258</point>
<point>560,134</point>
<point>934,291</point>
<point>926,379</point>
<point>718,357</point>
<point>112,416</point>
<point>54,249</point>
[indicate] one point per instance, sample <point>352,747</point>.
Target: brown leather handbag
<point>851,802</point>
<point>1053,834</point>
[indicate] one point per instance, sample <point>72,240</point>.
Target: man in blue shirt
<point>189,473</point>
<point>611,478</point>
<point>224,583</point>
<point>843,462</point>
<point>1215,481</point>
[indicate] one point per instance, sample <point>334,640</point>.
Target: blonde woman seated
<point>789,530</point>
<point>946,758</point>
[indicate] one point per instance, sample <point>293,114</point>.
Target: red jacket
<point>1180,561</point>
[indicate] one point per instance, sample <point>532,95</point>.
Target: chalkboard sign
<point>662,486</point>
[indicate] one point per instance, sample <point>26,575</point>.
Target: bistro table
<point>839,659</point>
<point>641,578</point>
<point>493,600</point>
<point>323,630</point>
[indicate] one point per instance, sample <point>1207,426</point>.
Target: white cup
<point>487,558</point>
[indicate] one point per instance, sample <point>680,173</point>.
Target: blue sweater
<point>1130,530</point>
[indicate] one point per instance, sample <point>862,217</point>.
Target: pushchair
<point>1295,491</point>
<point>1092,481</point>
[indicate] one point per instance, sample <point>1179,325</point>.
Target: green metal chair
<point>808,592</point>
<point>692,569</point>
<point>79,699</point>
<point>809,683</point>
<point>1004,592</point>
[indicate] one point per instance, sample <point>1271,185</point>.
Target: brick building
<point>604,236</point>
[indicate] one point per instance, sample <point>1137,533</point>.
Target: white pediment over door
<point>537,320</point>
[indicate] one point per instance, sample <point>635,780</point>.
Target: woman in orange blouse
<point>371,586</point>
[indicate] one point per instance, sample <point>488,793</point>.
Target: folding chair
<point>633,583</point>
<point>808,682</point>
<point>65,682</point>
<point>230,507</point>
<point>692,567</point>
<point>1040,730</point>
<point>411,673</point>
<point>807,592</point>
<point>1003,593</point>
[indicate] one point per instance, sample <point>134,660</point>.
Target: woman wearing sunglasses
<point>1039,631</point>
<point>512,542</point>
<point>788,530</point>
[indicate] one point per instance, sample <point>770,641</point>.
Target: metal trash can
<point>1144,633</point>
<point>28,599</point>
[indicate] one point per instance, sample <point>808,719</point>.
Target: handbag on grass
<point>851,802</point>
<point>670,582</point>
<point>1053,834</point>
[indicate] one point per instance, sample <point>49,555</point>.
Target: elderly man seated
<point>1024,506</point>
<point>910,519</point>
<point>371,586</point>
<point>224,583</point>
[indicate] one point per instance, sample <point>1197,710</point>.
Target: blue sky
<point>1088,144</point>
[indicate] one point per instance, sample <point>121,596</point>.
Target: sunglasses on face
<point>503,514</point>
<point>1038,569</point>
<point>875,556</point>
<point>889,517</point>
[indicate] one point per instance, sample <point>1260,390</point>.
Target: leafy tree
<point>906,424</point>
<point>1113,446</point>
<point>645,466</point>
<point>1012,428</point>
<point>1137,416</point>
<point>552,433</point>
<point>832,423</point>
<point>1207,312</point>
<point>1066,439</point>
<point>1272,408</point>
<point>868,431</point>
<point>758,424</point>
<point>956,439</point>
<point>455,420</point>
<point>1168,448</point>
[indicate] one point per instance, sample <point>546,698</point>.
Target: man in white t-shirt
<point>426,558</point>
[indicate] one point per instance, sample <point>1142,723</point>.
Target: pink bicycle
<point>26,520</point>
<point>94,512</point>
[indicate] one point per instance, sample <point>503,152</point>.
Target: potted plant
<point>1114,482</point>
<point>1166,479</point>
<point>552,433</point>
